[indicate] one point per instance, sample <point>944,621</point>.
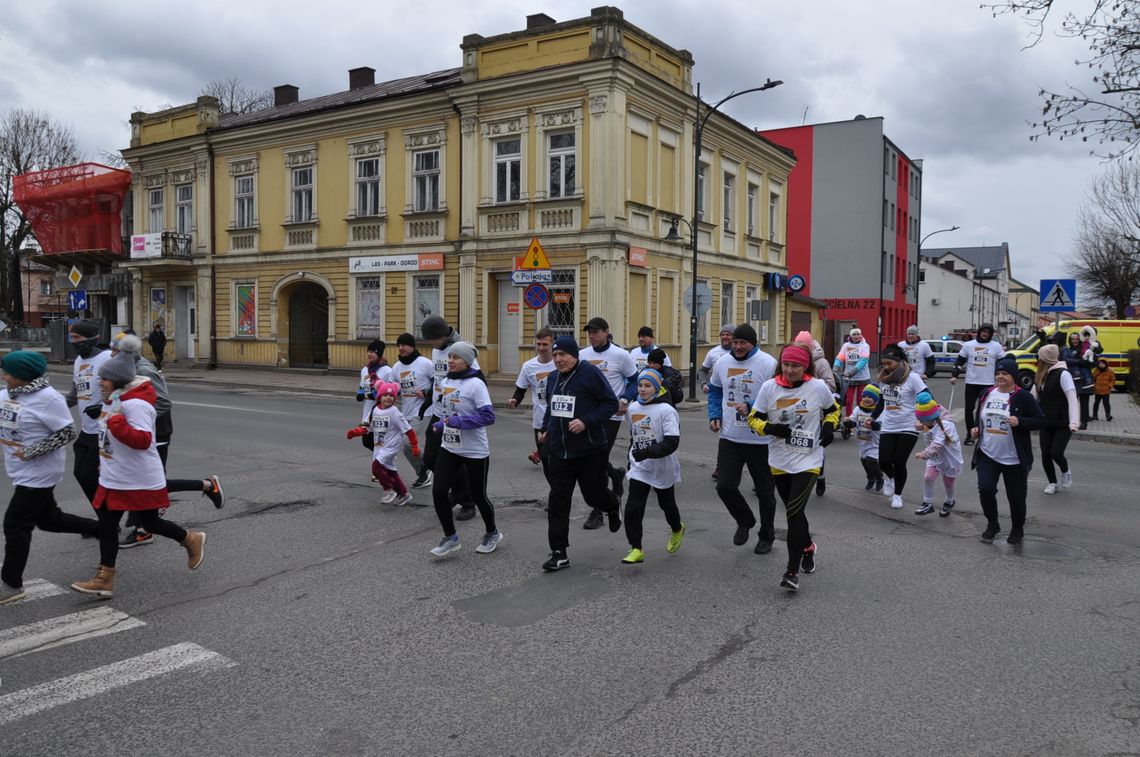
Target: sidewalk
<point>1125,426</point>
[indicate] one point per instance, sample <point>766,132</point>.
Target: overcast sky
<point>954,85</point>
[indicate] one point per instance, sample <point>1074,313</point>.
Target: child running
<point>943,453</point>
<point>388,428</point>
<point>867,426</point>
<point>655,431</point>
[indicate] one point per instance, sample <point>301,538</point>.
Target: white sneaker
<point>896,502</point>
<point>389,495</point>
<point>447,545</point>
<point>889,488</point>
<point>401,501</point>
<point>1051,489</point>
<point>490,542</point>
<point>1066,479</point>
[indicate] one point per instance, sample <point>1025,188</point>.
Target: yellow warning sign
<point>534,258</point>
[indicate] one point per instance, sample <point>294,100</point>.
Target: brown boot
<point>102,585</point>
<point>195,544</point>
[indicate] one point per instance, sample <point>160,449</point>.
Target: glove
<point>415,451</point>
<point>827,435</point>
<point>371,394</point>
<point>781,430</point>
<point>93,411</point>
<point>360,395</point>
<point>437,427</point>
<point>848,423</point>
<point>875,425</point>
<point>640,454</point>
<point>355,432</point>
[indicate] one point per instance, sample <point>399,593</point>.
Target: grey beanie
<point>465,351</point>
<point>120,369</point>
<point>729,327</point>
<point>128,343</point>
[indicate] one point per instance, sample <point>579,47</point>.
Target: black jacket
<point>1029,418</point>
<point>594,403</point>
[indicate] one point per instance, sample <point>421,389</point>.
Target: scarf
<point>31,387</point>
<point>897,376</point>
<point>410,357</point>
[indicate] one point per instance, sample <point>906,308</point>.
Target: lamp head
<point>673,235</point>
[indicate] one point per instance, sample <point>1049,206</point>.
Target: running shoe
<point>1015,535</point>
<point>889,487</point>
<point>490,542</point>
<point>896,502</point>
<point>991,531</point>
<point>820,487</point>
<point>635,556</point>
<point>740,538</point>
<point>214,492</point>
<point>446,546</point>
<point>790,581</point>
<point>594,520</point>
<point>807,561</point>
<point>11,593</point>
<point>465,513</point>
<point>534,458</point>
<point>134,538</point>
<point>675,538</point>
<point>388,497</point>
<point>1050,488</point>
<point>968,441</point>
<point>1066,479</point>
<point>424,479</point>
<point>879,485</point>
<point>401,501</point>
<point>947,507</point>
<point>557,561</point>
<point>763,546</point>
<point>926,509</point>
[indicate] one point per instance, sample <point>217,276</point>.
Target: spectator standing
<point>157,341</point>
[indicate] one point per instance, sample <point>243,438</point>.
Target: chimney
<point>361,77</point>
<point>539,20</point>
<point>284,94</point>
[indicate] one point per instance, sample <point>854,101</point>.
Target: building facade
<point>290,237</point>
<point>988,269</point>
<point>1024,311</point>
<point>854,210</point>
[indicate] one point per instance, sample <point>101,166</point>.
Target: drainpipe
<point>459,240</point>
<point>213,266</point>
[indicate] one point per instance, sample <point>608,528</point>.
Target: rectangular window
<point>508,170</point>
<point>245,309</point>
<point>563,304</point>
<point>425,293</point>
<point>425,180</point>
<point>302,194</point>
<point>158,306</point>
<point>45,288</point>
<point>892,216</point>
<point>753,190</point>
<point>729,200</point>
<point>367,187</point>
<point>562,168</point>
<point>155,215</point>
<point>369,296</point>
<point>773,216</point>
<point>751,306</point>
<point>184,208</point>
<point>244,202</point>
<point>727,302</point>
<point>886,160</point>
<point>700,192</point>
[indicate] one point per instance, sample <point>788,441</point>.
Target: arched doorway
<point>308,326</point>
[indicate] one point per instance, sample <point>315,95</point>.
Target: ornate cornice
<point>241,166</point>
<point>367,148</point>
<point>299,158</point>
<point>425,139</point>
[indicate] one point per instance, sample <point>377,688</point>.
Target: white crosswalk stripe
<point>38,588</point>
<point>65,629</point>
<point>74,688</point>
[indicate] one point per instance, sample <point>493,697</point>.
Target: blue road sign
<point>77,299</point>
<point>536,296</point>
<point>796,283</point>
<point>1058,295</point>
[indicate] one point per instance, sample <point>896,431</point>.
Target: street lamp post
<point>918,278</point>
<point>698,135</point>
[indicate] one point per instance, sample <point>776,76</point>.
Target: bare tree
<point>1107,244</point>
<point>29,141</point>
<point>235,97</point>
<point>1109,112</point>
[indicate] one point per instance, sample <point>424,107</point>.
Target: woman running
<point>900,387</point>
<point>1056,392</point>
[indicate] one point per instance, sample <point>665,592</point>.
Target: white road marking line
<point>231,407</point>
<point>65,629</point>
<point>73,688</point>
<point>38,588</point>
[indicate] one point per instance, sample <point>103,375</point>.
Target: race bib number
<point>407,385</point>
<point>452,438</point>
<point>380,427</point>
<point>83,387</point>
<point>643,439</point>
<point>10,415</point>
<point>562,406</point>
<point>104,440</point>
<point>801,440</point>
<point>996,415</point>
<point>892,398</point>
<point>863,430</point>
<point>365,384</point>
<point>981,359</point>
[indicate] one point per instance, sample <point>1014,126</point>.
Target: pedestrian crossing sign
<point>534,258</point>
<point>1058,295</point>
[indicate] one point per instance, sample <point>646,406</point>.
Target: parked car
<point>945,354</point>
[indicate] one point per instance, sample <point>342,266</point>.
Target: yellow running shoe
<point>675,540</point>
<point>635,556</point>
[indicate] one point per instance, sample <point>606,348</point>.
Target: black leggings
<point>635,509</point>
<point>31,508</point>
<point>1053,444</point>
<point>433,446</point>
<point>894,452</point>
<point>1083,403</point>
<point>795,490</point>
<point>448,468</point>
<point>972,392</point>
<point>149,520</point>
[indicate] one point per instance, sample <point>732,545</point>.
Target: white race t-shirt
<point>615,363</point>
<point>388,428</point>
<point>948,459</point>
<point>850,355</point>
<point>383,373</point>
<point>414,377</point>
<point>439,367</point>
<point>533,376</point>
<point>463,397</point>
<point>26,419</point>
<point>85,375</point>
<point>916,355</point>
<point>740,381</point>
<point>981,359</point>
<point>122,467</point>
<point>641,357</point>
<point>898,405</point>
<point>648,425</point>
<point>867,437</point>
<point>800,408</point>
<point>997,436</point>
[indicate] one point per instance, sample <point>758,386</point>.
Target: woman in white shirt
<point>900,387</point>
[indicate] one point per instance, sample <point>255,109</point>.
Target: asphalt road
<point>319,624</point>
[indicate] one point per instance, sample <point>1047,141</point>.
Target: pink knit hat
<point>390,388</point>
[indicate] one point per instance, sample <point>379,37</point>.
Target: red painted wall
<point>798,197</point>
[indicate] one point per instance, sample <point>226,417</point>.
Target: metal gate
<point>308,327</point>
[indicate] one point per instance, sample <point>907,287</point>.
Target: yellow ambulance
<point>1117,339</point>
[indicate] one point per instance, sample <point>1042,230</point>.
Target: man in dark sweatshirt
<point>573,435</point>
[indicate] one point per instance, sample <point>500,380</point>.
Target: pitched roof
<point>987,261</point>
<point>448,77</point>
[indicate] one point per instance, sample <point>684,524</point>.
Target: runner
<point>821,369</point>
<point>376,369</point>
<point>533,376</point>
<point>645,345</point>
<point>414,373</point>
<point>943,453</point>
<point>715,354</point>
<point>575,439</point>
<point>389,430</point>
<point>900,389</point>
<point>1004,419</point>
<point>464,409</point>
<point>653,464</point>
<point>918,353</point>
<point>853,365</point>
<point>35,429</point>
<point>620,371</point>
<point>130,472</point>
<point>1055,391</point>
<point>670,376</point>
<point>864,421</point>
<point>84,338</point>
<point>733,387</point>
<point>979,355</point>
<point>802,413</point>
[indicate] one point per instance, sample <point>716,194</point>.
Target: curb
<point>1128,441</point>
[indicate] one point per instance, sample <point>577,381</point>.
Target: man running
<point>979,356</point>
<point>715,354</point>
<point>414,373</point>
<point>84,338</point>
<point>533,376</point>
<point>918,353</point>
<point>645,345</point>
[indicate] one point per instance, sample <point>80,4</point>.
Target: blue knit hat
<point>24,364</point>
<point>565,344</point>
<point>654,378</point>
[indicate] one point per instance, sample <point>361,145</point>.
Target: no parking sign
<point>536,296</point>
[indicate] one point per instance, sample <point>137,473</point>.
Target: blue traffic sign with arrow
<point>77,299</point>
